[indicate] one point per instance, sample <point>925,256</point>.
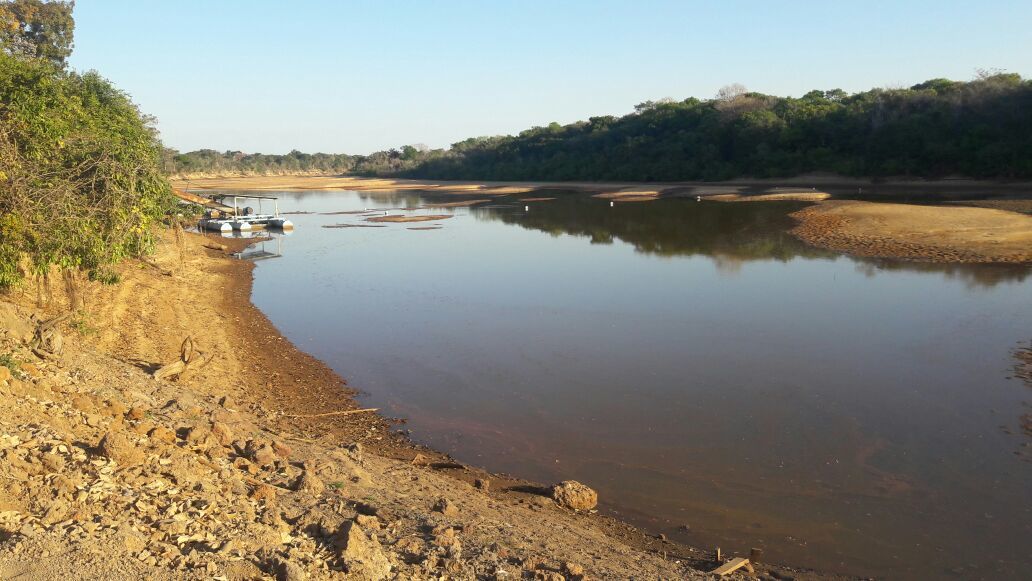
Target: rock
<point>196,435</point>
<point>163,435</point>
<point>310,483</point>
<point>137,413</point>
<point>368,521</point>
<point>222,434</point>
<point>115,408</point>
<point>574,495</point>
<point>130,539</point>
<point>17,386</point>
<point>446,507</point>
<point>287,570</point>
<point>573,569</point>
<point>83,404</point>
<point>5,373</point>
<point>362,555</point>
<point>227,402</point>
<point>282,450</point>
<point>420,460</point>
<point>116,446</point>
<point>482,484</point>
<point>260,453</point>
<point>30,370</point>
<point>264,492</point>
<point>354,450</point>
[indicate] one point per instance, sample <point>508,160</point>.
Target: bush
<point>79,171</point>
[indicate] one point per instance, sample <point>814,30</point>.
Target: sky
<point>343,76</point>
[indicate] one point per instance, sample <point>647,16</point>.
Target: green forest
<point>939,128</point>
<point>80,165</point>
<point>209,161</point>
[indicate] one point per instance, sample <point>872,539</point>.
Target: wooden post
<point>755,555</point>
<point>717,556</point>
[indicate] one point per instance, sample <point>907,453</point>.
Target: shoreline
<point>961,225</point>
<point>139,324</point>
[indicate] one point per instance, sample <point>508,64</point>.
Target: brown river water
<point>713,378</point>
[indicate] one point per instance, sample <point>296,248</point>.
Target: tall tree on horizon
<point>42,29</point>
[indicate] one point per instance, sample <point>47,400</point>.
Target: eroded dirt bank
<point>109,473</point>
<point>913,232</point>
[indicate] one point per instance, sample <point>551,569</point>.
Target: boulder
<point>163,435</point>
<point>361,554</point>
<point>222,434</point>
<point>574,495</point>
<point>310,483</point>
<point>446,507</point>
<point>116,446</point>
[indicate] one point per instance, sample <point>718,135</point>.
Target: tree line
<point>938,128</point>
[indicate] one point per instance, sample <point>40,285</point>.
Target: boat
<point>223,217</point>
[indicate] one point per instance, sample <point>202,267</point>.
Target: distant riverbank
<point>933,233</point>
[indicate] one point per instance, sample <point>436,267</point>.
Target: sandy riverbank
<point>616,191</point>
<point>915,232</point>
<point>112,474</point>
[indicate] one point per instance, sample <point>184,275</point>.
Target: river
<point>712,377</point>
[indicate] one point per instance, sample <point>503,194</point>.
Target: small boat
<point>243,219</point>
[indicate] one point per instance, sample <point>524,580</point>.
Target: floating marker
<point>611,204</point>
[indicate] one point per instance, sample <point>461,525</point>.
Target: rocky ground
<point>106,472</point>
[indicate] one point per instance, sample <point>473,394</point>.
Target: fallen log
<point>216,246</point>
<point>47,341</point>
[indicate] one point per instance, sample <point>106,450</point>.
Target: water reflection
<point>840,413</point>
<point>727,232</point>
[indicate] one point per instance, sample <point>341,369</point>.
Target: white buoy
<point>611,204</point>
<point>526,208</point>
<point>698,198</point>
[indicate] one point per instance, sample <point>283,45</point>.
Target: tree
<point>37,29</point>
<point>730,93</point>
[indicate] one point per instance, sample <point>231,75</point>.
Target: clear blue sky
<point>358,76</point>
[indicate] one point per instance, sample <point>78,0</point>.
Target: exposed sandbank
<point>913,232</point>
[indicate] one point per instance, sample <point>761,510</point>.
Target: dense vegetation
<point>981,128</point>
<point>209,161</point>
<point>79,164</point>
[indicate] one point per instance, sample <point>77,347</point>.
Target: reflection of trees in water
<point>730,234</point>
<point>672,227</point>
<point>974,276</point>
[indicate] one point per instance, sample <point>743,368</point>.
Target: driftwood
<point>47,341</point>
<point>216,246</point>
<point>189,360</point>
<point>340,413</point>
<point>732,566</point>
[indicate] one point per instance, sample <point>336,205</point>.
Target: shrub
<point>80,180</point>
